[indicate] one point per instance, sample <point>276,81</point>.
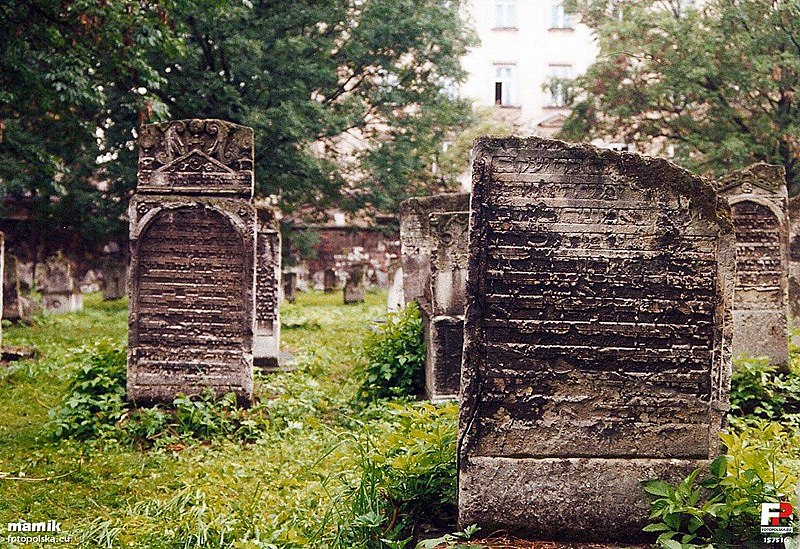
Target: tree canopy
<point>713,85</point>
<point>349,99</point>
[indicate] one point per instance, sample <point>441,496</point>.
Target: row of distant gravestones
<point>597,330</point>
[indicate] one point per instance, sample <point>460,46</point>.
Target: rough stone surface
<point>192,273</point>
<point>56,281</point>
<point>394,299</point>
<point>2,277</point>
<point>114,281</point>
<point>355,289</point>
<point>329,280</point>
<point>266,344</point>
<point>794,260</point>
<point>597,336</point>
<point>12,304</point>
<point>415,242</point>
<point>759,201</point>
<point>290,286</point>
<point>446,293</point>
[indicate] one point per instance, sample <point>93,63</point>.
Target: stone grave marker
<point>12,304</point>
<point>114,283</point>
<point>290,286</point>
<point>355,288</point>
<point>758,199</point>
<point>192,274</point>
<point>329,280</point>
<point>415,242</point>
<point>394,299</point>
<point>794,260</point>
<point>60,291</point>
<point>266,345</point>
<point>443,313</point>
<point>597,337</point>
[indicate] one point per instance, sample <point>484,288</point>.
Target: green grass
<point>295,487</point>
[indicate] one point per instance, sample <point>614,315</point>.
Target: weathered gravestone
<point>415,241</point>
<point>266,345</point>
<point>758,199</point>
<point>192,274</point>
<point>394,299</point>
<point>597,337</point>
<point>355,289</point>
<point>794,260</point>
<point>60,292</point>
<point>12,304</point>
<point>290,286</point>
<point>443,313</point>
<point>329,280</point>
<point>114,281</point>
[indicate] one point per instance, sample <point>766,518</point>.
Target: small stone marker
<point>758,199</point>
<point>12,305</point>
<point>415,242</point>
<point>444,315</point>
<point>794,260</point>
<point>394,299</point>
<point>329,281</point>
<point>355,289</point>
<point>290,286</point>
<point>2,277</point>
<point>266,344</point>
<point>60,292</point>
<point>597,337</point>
<point>192,274</point>
<point>114,277</point>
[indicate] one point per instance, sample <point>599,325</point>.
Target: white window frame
<point>558,92</point>
<point>506,76</point>
<point>505,14</point>
<point>559,19</point>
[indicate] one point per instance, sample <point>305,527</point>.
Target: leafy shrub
<point>95,407</point>
<point>95,397</point>
<point>758,390</point>
<point>724,509</point>
<point>393,358</point>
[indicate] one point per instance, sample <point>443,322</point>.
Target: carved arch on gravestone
<point>149,211</point>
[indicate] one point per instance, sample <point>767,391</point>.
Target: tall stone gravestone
<point>289,286</point>
<point>12,304</point>
<point>794,260</point>
<point>355,289</point>
<point>192,274</point>
<point>329,280</point>
<point>114,269</point>
<point>758,199</point>
<point>444,315</point>
<point>266,345</point>
<point>415,240</point>
<point>597,337</point>
<point>60,291</point>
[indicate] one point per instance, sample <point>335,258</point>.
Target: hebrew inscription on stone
<point>596,338</point>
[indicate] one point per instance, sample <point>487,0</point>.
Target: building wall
<point>523,36</point>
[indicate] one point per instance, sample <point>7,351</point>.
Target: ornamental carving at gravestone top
<point>266,345</point>
<point>192,272</point>
<point>597,337</point>
<point>758,199</point>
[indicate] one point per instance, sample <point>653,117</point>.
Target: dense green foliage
<point>311,77</point>
<point>715,81</point>
<point>393,357</point>
<point>302,467</point>
<point>761,464</point>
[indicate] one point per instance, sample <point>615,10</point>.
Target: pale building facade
<point>523,44</point>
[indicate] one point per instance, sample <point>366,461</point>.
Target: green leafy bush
<point>95,397</point>
<point>759,390</point>
<point>393,358</point>
<point>724,509</point>
<point>95,406</point>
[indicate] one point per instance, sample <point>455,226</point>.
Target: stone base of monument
<point>569,499</point>
<point>62,303</point>
<point>444,338</point>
